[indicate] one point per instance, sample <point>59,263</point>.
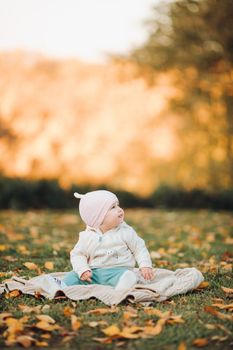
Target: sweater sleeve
<point>78,256</point>
<point>138,248</point>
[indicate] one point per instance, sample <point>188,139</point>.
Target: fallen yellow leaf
<point>127,335</point>
<point>182,346</point>
<point>93,324</point>
<point>129,312</point>
<point>203,285</point>
<point>75,323</point>
<point>132,329</point>
<point>127,315</point>
<point>175,319</point>
<point>156,312</point>
<point>68,311</point>
<point>25,340</point>
<point>28,309</point>
<point>46,336</point>
<point>224,306</point>
<point>31,266</point>
<point>157,329</point>
<point>200,342</point>
<point>227,267</point>
<point>49,265</point>
<point>111,330</point>
<point>13,294</point>
<point>45,326</point>
<point>102,311</point>
<point>104,340</point>
<point>227,290</point>
<point>46,318</point>
<point>5,315</point>
<point>41,343</point>
<point>210,326</point>
<point>22,249</point>
<point>218,314</point>
<point>15,326</point>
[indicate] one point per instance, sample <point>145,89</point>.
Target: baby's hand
<point>86,276</point>
<point>147,273</point>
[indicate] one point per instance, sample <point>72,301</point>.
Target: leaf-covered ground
<point>39,242</point>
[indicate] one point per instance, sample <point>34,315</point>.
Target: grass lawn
<point>176,239</point>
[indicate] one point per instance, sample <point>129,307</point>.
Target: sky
<point>84,29</point>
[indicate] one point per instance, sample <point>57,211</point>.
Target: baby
<point>108,250</point>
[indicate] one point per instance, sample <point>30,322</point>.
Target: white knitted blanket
<point>165,284</point>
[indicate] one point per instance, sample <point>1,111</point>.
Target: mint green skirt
<point>104,276</point>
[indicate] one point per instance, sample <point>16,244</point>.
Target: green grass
<point>179,238</point>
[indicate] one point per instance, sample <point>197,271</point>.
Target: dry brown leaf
<point>200,342</point>
<point>75,323</point>
<point>46,318</point>
<point>182,346</point>
<point>49,265</point>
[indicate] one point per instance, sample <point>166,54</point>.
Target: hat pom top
<point>78,195</point>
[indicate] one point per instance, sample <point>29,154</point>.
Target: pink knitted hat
<point>93,206</point>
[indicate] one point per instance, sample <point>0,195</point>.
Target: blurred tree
<point>10,140</point>
<point>194,40</point>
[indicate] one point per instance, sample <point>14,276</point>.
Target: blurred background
<point>130,95</point>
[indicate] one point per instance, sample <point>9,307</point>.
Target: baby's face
<point>113,218</point>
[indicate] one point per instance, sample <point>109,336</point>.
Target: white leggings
<point>127,280</point>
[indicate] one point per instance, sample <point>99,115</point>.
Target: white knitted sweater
<point>120,246</point>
